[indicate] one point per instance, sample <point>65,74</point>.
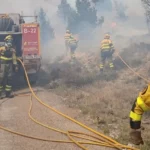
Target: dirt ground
<point>109,97</point>
<point>14,115</point>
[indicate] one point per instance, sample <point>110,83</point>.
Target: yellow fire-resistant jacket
<point>12,53</point>
<point>106,45</point>
<point>67,36</point>
<point>72,41</point>
<point>141,105</point>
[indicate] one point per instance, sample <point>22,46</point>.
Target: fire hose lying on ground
<point>98,139</point>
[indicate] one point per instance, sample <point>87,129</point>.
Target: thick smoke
<point>29,7</point>
<point>134,25</point>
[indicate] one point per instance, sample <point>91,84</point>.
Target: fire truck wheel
<point>33,78</point>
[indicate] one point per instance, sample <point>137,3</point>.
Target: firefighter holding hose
<point>107,50</point>
<point>8,61</point>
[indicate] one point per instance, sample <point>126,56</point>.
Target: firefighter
<point>141,105</point>
<point>67,37</point>
<point>107,50</point>
<point>8,61</point>
<point>73,43</point>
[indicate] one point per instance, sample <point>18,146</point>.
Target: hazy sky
<point>29,6</point>
<point>135,9</point>
<point>134,6</point>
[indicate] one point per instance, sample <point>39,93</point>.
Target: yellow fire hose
<point>136,73</point>
<point>101,140</point>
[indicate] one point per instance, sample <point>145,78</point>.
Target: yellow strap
<point>5,58</point>
<point>141,103</point>
<point>105,46</point>
<point>135,116</point>
<point>105,49</point>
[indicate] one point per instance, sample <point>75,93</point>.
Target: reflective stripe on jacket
<point>67,36</point>
<point>142,105</point>
<point>5,58</point>
<point>12,55</point>
<point>72,41</point>
<point>106,44</point>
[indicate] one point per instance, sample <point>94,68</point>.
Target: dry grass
<point>108,97</point>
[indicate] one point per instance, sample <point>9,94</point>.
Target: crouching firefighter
<point>141,105</point>
<point>73,43</point>
<point>8,61</point>
<point>107,50</point>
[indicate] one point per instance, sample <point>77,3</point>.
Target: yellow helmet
<point>107,36</point>
<point>8,37</point>
<point>67,31</point>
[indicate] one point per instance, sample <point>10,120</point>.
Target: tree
<point>120,10</point>
<point>73,22</point>
<point>68,14</point>
<point>86,12</point>
<point>84,15</point>
<point>47,32</point>
<point>88,18</point>
<point>64,10</point>
<point>103,5</point>
<point>97,1</point>
<point>146,4</point>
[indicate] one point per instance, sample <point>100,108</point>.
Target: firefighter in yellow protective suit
<point>73,43</point>
<point>8,60</point>
<point>141,105</point>
<point>107,50</point>
<point>67,37</point>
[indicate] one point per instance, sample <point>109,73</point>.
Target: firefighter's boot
<point>9,94</point>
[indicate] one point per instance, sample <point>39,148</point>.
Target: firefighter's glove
<point>135,137</point>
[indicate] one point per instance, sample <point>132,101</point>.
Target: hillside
<point>106,98</point>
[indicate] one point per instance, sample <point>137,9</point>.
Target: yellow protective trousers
<point>106,55</point>
<point>6,77</point>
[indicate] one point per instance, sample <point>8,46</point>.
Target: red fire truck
<point>26,41</point>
